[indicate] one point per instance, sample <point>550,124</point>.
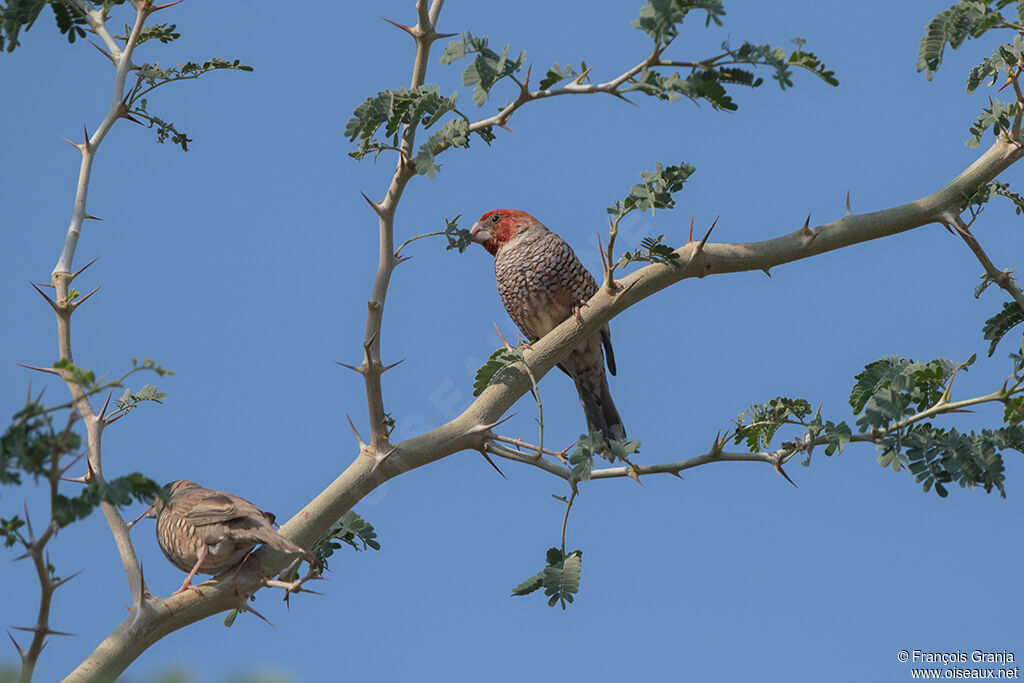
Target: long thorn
<point>373,205</point>
<point>103,52</point>
<point>21,653</point>
<point>488,459</point>
<point>49,371</point>
<point>708,234</point>
<point>579,79</point>
<point>353,368</point>
<point>103,412</point>
<point>53,304</point>
<point>157,8</point>
<point>407,29</point>
<point>359,439</point>
<point>81,301</point>
<point>388,367</point>
<point>778,468</point>
<point>82,269</point>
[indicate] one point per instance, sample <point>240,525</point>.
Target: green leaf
<point>165,33</point>
<point>352,530</point>
<point>988,191</point>
<point>561,579</point>
<point>655,192</point>
<point>652,250</point>
<point>963,20</point>
<point>758,424</point>
<point>529,585</point>
<point>121,492</point>
<point>660,19</point>
<point>454,133</point>
<point>457,238</point>
<point>557,73</point>
<point>892,388</point>
<point>86,378</point>
<point>498,361</point>
<point>997,117</point>
<point>938,456</point>
<point>837,435</point>
<point>423,105</point>
<point>487,68</point>
<point>69,21</point>
<point>1002,322</point>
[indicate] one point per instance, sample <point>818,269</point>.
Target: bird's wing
<point>216,506</point>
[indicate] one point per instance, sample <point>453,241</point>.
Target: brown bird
<point>202,530</point>
<point>542,283</point>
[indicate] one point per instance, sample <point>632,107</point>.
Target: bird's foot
<point>577,311</point>
<point>188,585</point>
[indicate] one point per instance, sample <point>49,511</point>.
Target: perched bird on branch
<point>542,283</point>
<point>207,531</point>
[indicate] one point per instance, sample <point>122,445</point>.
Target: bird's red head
<point>497,227</point>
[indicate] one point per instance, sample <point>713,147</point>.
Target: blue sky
<point>245,263</point>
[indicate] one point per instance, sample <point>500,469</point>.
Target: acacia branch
<point>372,368</point>
<point>123,61</point>
<point>64,307</point>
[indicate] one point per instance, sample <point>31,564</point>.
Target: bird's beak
<point>479,233</point>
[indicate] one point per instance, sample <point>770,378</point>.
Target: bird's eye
<point>495,218</point>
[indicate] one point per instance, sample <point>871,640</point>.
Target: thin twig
<point>1000,277</point>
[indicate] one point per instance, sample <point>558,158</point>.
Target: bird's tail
<point>599,409</point>
<point>270,536</point>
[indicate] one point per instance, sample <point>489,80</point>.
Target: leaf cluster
<point>581,460</point>
<point>20,15</point>
<point>962,21</point>
<point>487,68</point>
<point>988,191</point>
<point>938,456</point>
<point>708,79</point>
<point>652,250</point>
<point>31,445</point>
<point>758,425</point>
<point>558,73</point>
<point>892,388</point>
<point>457,237</point>
<point>560,577</point>
<point>152,76</point>
<point>655,192</point>
<point>660,19</point>
<point>121,492</point>
<point>351,530</point>
<point>165,33</point>
<point>395,109</point>
<point>997,116</point>
<point>1005,58</point>
<point>130,401</point>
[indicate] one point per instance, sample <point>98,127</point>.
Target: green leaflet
<point>560,578</point>
<point>1002,322</point>
<point>352,530</point>
<point>498,361</point>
